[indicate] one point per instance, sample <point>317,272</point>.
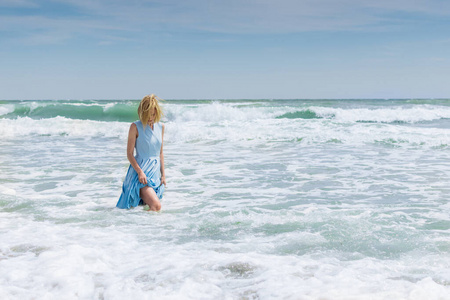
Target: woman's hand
<point>142,177</point>
<point>163,180</point>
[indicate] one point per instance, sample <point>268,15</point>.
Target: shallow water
<point>293,199</point>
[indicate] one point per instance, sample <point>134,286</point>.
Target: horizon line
<point>234,99</point>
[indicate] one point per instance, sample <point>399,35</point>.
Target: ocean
<point>265,199</point>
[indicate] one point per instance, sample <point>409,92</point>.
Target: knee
<point>155,206</point>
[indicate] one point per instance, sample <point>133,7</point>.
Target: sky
<point>235,49</point>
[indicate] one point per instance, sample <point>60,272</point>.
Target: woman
<point>145,180</point>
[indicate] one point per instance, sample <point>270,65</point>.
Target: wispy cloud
<point>423,7</point>
<point>17,3</point>
<point>100,18</point>
<point>262,16</point>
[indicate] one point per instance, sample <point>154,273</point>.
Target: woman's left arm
<point>161,155</point>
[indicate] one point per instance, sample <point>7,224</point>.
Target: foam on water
<point>383,115</point>
<point>60,126</point>
<point>221,111</point>
<point>256,207</point>
<point>255,132</point>
<point>6,109</point>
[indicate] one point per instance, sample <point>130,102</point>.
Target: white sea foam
<point>7,191</point>
<point>58,126</point>
<point>254,132</point>
<point>108,106</point>
<point>6,109</point>
<point>255,208</point>
<point>386,115</point>
<point>216,112</point>
<point>221,112</point>
<point>309,132</point>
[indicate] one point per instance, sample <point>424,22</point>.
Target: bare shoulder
<point>133,129</point>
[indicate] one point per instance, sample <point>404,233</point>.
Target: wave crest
<point>124,111</point>
<point>384,115</point>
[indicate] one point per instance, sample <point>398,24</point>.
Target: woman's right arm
<point>132,135</point>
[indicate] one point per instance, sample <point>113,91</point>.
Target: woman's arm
<point>161,158</point>
<point>132,135</point>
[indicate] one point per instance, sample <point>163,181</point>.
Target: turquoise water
<point>266,199</point>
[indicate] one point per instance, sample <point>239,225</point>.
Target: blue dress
<point>148,147</point>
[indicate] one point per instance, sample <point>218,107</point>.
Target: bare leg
<point>149,197</point>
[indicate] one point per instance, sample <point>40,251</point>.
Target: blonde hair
<point>149,104</point>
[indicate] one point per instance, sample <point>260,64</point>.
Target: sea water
<point>265,199</point>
